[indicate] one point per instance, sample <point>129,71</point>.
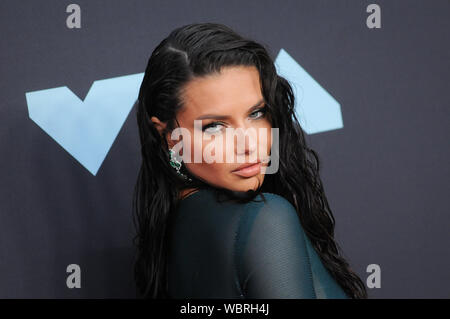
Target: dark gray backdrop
<point>385,172</point>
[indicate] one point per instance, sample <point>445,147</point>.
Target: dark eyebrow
<point>223,117</point>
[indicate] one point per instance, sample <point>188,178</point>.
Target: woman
<point>212,229</point>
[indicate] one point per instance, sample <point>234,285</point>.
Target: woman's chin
<point>246,184</point>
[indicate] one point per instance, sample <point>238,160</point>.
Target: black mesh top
<point>243,250</point>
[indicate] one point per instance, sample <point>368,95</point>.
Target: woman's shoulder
<point>278,201</point>
<point>273,208</point>
<point>266,208</point>
<point>263,201</point>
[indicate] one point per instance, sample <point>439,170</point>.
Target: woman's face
<point>229,100</point>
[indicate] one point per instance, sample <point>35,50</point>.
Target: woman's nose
<point>247,141</point>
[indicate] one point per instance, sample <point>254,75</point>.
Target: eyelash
<point>213,124</point>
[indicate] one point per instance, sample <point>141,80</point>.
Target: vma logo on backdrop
<point>87,129</point>
<point>316,110</point>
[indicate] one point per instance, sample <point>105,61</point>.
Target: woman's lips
<point>249,170</point>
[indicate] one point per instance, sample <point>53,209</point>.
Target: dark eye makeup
<point>263,110</point>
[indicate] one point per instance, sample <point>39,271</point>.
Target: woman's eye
<point>212,128</point>
<point>258,113</point>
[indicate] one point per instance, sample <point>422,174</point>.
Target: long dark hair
<point>197,50</point>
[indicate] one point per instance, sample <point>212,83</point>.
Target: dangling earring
<point>175,163</point>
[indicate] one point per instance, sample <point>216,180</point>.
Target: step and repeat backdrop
<point>372,81</point>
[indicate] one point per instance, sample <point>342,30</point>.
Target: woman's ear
<point>160,126</point>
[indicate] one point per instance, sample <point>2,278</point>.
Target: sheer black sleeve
<point>272,254</point>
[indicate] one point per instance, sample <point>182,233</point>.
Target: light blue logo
<point>315,108</point>
<point>86,129</point>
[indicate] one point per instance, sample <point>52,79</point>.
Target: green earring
<point>175,163</point>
